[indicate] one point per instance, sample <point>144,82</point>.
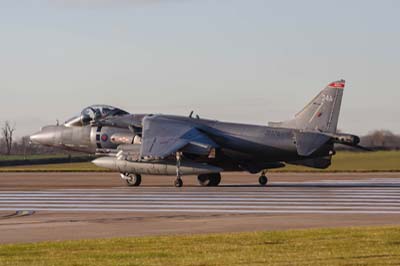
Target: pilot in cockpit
<point>94,113</point>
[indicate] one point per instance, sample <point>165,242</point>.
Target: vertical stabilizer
<point>322,113</point>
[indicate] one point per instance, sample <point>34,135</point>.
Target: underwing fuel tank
<point>155,168</point>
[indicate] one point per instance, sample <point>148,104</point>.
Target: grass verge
<point>345,161</point>
<point>62,167</point>
<point>340,246</point>
<point>31,157</point>
<point>381,161</point>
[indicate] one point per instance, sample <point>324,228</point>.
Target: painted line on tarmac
<point>204,193</point>
<point>199,189</point>
<point>191,206</point>
<point>325,199</point>
<point>17,214</point>
<point>214,211</point>
<point>230,197</point>
<point>266,203</point>
<point>283,201</point>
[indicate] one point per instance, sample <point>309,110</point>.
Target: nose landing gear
<point>178,181</point>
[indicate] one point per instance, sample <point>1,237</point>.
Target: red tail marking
<point>339,85</point>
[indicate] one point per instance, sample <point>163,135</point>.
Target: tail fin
<point>322,113</point>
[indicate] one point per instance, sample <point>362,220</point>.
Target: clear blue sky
<point>245,61</point>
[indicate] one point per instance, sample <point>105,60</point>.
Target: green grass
<point>31,157</point>
<point>62,167</point>
<point>341,246</point>
<point>357,162</point>
<point>383,161</point>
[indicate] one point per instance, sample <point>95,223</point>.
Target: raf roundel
<point>104,137</point>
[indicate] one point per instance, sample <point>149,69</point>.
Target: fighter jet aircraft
<point>157,144</point>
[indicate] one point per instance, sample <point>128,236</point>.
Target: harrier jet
<point>157,144</point>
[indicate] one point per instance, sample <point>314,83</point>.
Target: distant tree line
<point>7,133</point>
<point>381,140</point>
<point>22,146</point>
<point>376,140</point>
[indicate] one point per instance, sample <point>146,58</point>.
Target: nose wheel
<point>263,179</point>
<point>178,181</point>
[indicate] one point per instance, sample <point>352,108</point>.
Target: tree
<point>24,146</point>
<point>7,132</point>
<point>382,139</point>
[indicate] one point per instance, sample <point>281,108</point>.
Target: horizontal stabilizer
<point>309,142</point>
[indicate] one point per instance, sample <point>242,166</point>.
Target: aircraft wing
<point>162,137</point>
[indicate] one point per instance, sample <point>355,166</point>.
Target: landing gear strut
<point>132,180</point>
<point>263,180</point>
<point>178,181</point>
<point>209,180</point>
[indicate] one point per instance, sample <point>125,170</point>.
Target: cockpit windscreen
<point>95,113</point>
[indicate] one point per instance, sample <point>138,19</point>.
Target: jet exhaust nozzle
<point>346,139</point>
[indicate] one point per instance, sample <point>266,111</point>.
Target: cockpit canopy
<point>95,113</point>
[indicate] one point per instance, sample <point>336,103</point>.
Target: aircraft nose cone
<point>42,137</point>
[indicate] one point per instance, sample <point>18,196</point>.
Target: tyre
<point>204,180</point>
<point>209,180</point>
<point>178,183</point>
<point>215,179</point>
<point>134,180</point>
<point>263,180</point>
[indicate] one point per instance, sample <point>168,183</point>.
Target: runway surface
<point>105,211</point>
<point>318,197</point>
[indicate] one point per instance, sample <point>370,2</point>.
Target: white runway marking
<point>380,196</point>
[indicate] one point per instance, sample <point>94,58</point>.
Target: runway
<point>366,200</point>
<point>105,211</point>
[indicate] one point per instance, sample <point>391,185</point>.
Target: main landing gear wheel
<point>132,180</point>
<point>178,182</point>
<point>209,180</point>
<point>263,180</point>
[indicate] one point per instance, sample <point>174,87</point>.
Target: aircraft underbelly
<point>262,148</point>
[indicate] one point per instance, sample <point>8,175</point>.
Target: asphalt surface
<point>35,207</point>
